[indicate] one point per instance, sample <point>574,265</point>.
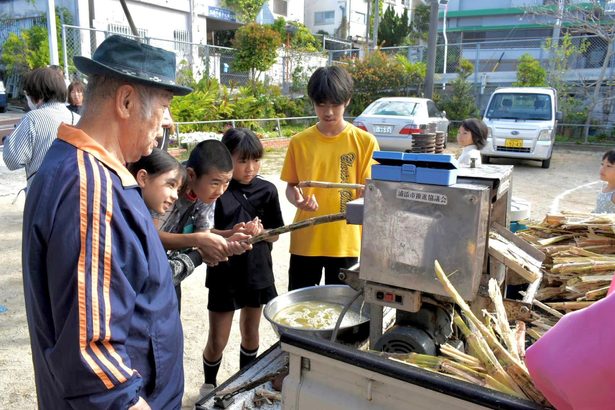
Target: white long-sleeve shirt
<point>28,144</point>
<point>469,152</point>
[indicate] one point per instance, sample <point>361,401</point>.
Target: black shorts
<point>225,300</point>
<point>304,271</point>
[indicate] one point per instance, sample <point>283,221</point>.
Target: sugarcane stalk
<point>461,357</point>
<point>570,305</point>
<point>517,371</point>
<point>520,338</point>
<point>548,309</point>
<point>320,184</point>
<point>533,333</point>
<point>317,220</point>
<point>502,318</point>
<point>479,347</point>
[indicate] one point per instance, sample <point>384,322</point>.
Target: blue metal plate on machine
<point>434,169</point>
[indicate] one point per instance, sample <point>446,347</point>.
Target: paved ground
<point>570,184</point>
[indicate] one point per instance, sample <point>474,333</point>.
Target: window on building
<point>358,17</point>
<point>125,30</point>
<point>182,38</point>
<point>280,7</point>
<point>324,17</point>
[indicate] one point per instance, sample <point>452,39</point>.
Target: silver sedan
<point>393,120</point>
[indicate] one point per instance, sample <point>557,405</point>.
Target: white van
<point>522,123</point>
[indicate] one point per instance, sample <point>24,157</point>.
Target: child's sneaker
<point>206,388</point>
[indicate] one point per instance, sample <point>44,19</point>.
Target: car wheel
<point>2,109</point>
<point>546,163</point>
<point>486,160</point>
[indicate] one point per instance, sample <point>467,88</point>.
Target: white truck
<point>522,122</point>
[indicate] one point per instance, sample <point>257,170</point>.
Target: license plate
<point>383,129</point>
<point>513,143</point>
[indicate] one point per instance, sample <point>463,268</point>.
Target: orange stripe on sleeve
<point>107,273</point>
<point>95,251</point>
<point>81,272</point>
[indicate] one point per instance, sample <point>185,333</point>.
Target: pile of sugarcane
<point>580,258</point>
<point>496,351</point>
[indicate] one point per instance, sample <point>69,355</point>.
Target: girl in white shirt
<point>605,201</point>
<point>471,137</point>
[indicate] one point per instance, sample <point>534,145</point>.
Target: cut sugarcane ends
<point>495,349</point>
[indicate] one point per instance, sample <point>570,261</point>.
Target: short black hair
<point>243,142</point>
<point>331,85</point>
<point>478,129</point>
<point>158,162</point>
<point>609,156</point>
<point>45,84</point>
<point>210,155</point>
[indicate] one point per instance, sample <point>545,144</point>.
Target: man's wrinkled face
<point>146,123</point>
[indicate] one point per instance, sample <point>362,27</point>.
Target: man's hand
<point>140,405</point>
<point>307,204</point>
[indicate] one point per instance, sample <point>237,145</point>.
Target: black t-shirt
<point>241,203</point>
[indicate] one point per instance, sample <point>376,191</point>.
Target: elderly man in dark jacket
<point>101,306</point>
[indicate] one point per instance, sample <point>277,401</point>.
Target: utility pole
<point>52,33</point>
<point>376,21</point>
<point>558,22</point>
<point>431,48</point>
<point>556,34</point>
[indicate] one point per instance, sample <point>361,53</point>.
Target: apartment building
<point>494,20</point>
<point>347,19</point>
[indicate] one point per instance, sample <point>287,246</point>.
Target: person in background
<point>336,151</point>
<point>102,313</point>
<point>27,145</point>
<point>160,176</point>
<point>605,201</point>
<point>246,281</point>
<point>75,96</point>
<point>471,136</point>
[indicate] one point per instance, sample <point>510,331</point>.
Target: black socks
<point>246,356</point>
<point>210,369</point>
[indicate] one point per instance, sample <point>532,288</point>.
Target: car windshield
<point>519,106</point>
<point>388,107</point>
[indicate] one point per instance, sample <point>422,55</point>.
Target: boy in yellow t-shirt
<point>333,150</point>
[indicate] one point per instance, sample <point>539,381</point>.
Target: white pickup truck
<point>522,123</point>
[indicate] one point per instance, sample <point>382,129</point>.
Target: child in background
<point>605,201</point>
<point>188,224</point>
<point>159,176</point>
<point>246,281</point>
<point>333,150</point>
<point>471,137</point>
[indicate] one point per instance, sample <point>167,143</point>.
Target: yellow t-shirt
<point>346,157</point>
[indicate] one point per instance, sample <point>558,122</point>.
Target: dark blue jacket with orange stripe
<point>101,306</point>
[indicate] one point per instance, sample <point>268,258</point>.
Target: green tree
<point>379,75</point>
<point>257,47</point>
<point>298,36</point>
<point>419,24</point>
<point>530,73</point>
<point>572,108</point>
<point>30,49</point>
<point>246,10</point>
<point>460,103</point>
<point>393,30</point>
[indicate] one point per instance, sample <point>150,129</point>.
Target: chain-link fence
<point>502,56</point>
<point>290,71</point>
